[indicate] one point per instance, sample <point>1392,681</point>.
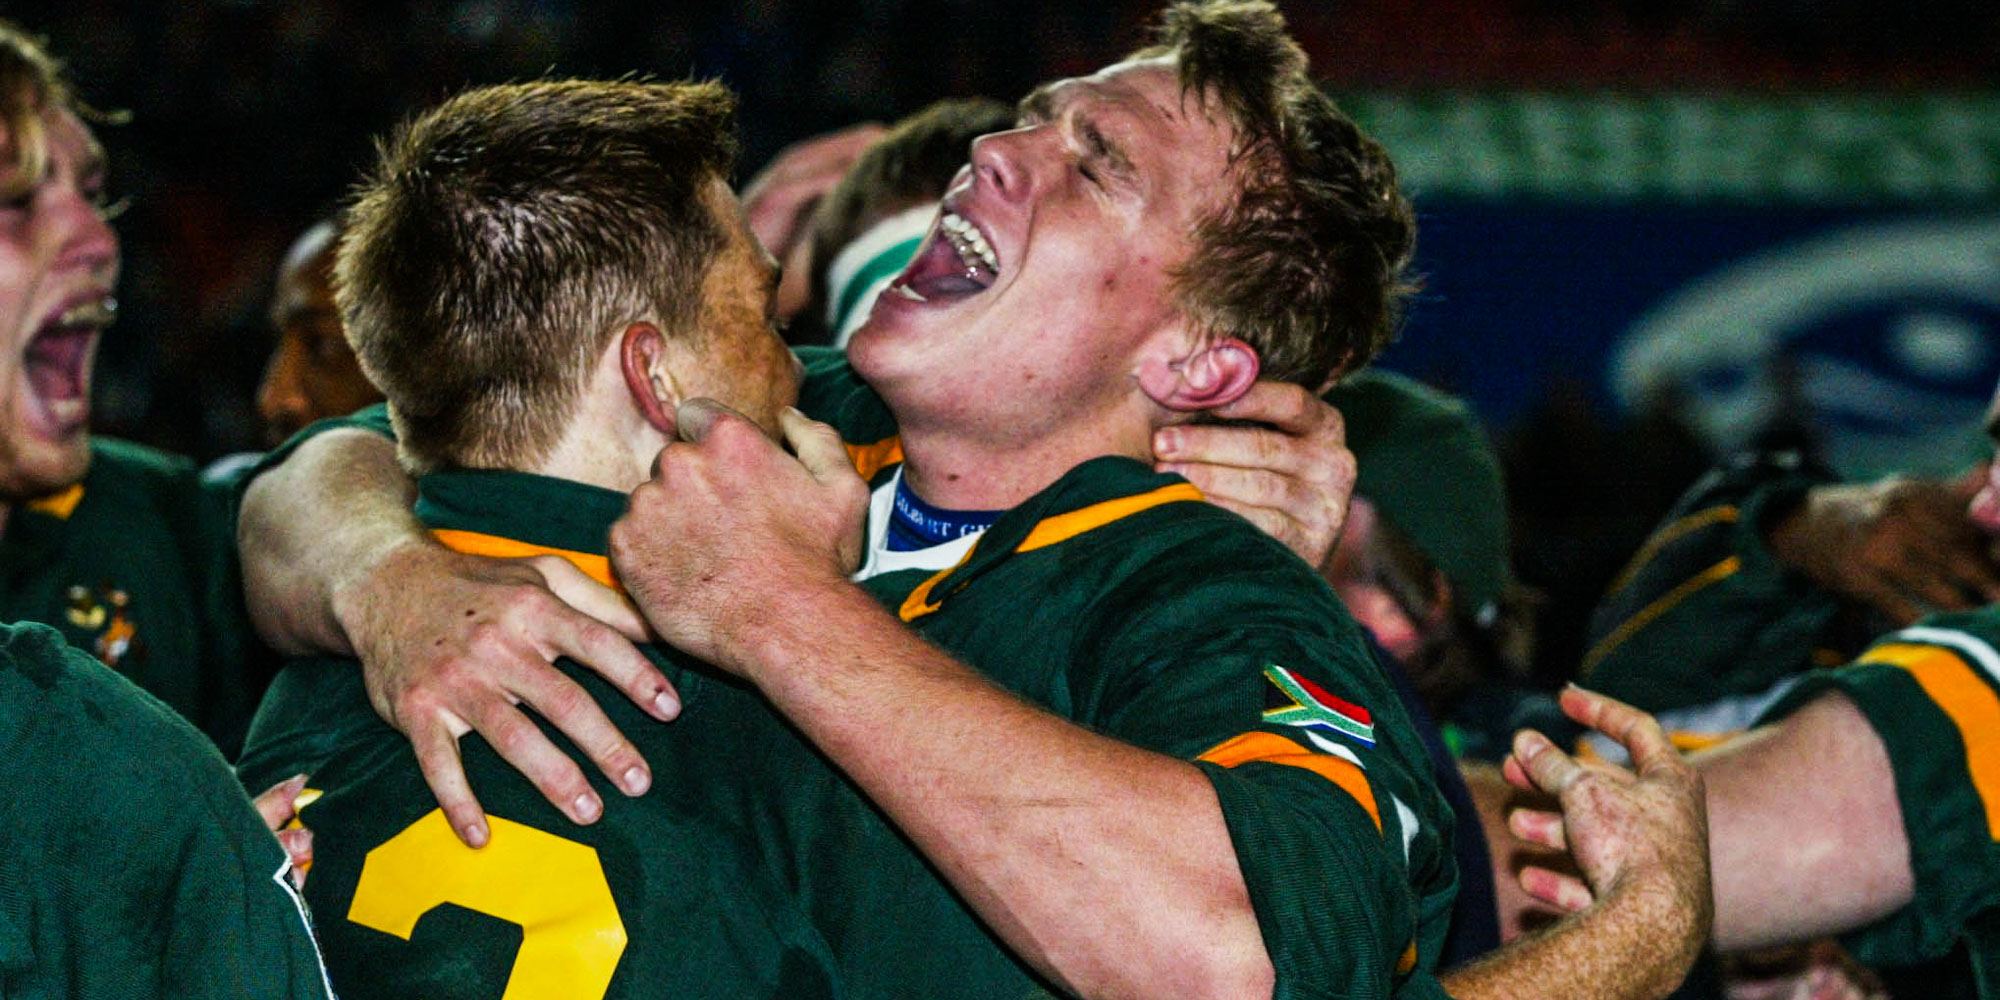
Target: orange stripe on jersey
<point>1408,961</point>
<point>870,459</point>
<point>480,544</point>
<point>59,505</point>
<point>1969,701</point>
<point>1063,527</point>
<point>918,604</point>
<point>1274,749</point>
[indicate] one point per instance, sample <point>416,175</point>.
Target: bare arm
<point>295,563</point>
<point>1806,833</point>
<point>1107,867</point>
<point>1642,917</point>
<point>334,561</point>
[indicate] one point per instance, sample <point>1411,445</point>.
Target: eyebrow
<point>1106,148</point>
<point>1037,106</point>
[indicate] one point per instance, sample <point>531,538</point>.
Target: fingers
<point>572,710</point>
<point>1538,826</point>
<point>1565,891</point>
<point>522,744</point>
<point>578,590</point>
<point>298,845</point>
<point>1288,407</point>
<point>437,757</point>
<point>277,804</point>
<point>1639,733</point>
<point>818,447</point>
<point>1546,768</point>
<point>1238,446</point>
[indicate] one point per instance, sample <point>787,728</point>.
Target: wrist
<point>357,596</point>
<point>789,625</point>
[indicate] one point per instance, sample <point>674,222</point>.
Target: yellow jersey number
<point>571,934</point>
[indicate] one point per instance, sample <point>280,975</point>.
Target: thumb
<point>696,417</point>
<point>817,445</point>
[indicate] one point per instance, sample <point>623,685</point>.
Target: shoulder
<point>92,739</point>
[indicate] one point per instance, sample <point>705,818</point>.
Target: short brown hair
<point>31,83</point>
<point>1307,262</point>
<point>505,236</point>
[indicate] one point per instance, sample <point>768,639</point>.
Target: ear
<point>1211,374</point>
<point>642,354</point>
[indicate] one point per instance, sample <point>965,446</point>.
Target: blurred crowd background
<point>1654,231</point>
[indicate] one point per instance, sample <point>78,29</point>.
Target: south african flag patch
<point>1300,702</point>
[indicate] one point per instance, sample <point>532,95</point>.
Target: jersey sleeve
<point>1932,693</point>
<point>1341,837</point>
<point>1704,611</point>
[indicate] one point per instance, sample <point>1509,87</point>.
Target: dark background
<point>249,118</point>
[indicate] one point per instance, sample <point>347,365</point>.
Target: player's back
<point>671,893</point>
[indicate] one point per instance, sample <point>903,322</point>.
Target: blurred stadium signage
<point>1832,261</point>
<point>1861,148</point>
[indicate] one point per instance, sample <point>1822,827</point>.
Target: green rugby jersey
<point>131,865</point>
<point>674,893</point>
<point>137,566</point>
<point>1704,612</point>
<point>1179,627</point>
<point>1201,638</point>
<point>1932,693</point>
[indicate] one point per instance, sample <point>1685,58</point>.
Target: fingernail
<point>474,833</point>
<point>587,807</point>
<point>1166,442</point>
<point>636,780</point>
<point>666,705</point>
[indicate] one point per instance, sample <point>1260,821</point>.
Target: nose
<point>281,397</point>
<point>88,240</point>
<point>1003,161</point>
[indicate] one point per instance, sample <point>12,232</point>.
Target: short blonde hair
<point>31,82</point>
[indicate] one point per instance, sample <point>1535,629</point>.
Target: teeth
<point>98,313</point>
<point>907,292</point>
<point>969,241</point>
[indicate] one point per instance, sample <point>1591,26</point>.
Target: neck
<point>614,450</point>
<point>966,471</point>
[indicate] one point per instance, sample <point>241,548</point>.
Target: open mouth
<point>57,361</point>
<point>956,263</point>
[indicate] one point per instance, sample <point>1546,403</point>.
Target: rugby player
<point>1165,716</point>
<point>121,548</point>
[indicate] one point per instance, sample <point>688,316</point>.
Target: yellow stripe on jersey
<point>1688,525</point>
<point>1052,530</point>
<point>1274,749</point>
<point>59,505</point>
<point>480,544</point>
<point>1408,961</point>
<point>918,604</point>
<point>1063,527</point>
<point>1957,689</point>
<point>870,459</point>
<point>1664,604</point>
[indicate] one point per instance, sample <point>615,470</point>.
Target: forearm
<point>1107,867</point>
<point>312,527</point>
<point>1611,951</point>
<point>1806,834</point>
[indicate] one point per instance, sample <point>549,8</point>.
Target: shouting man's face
<point>58,264</point>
